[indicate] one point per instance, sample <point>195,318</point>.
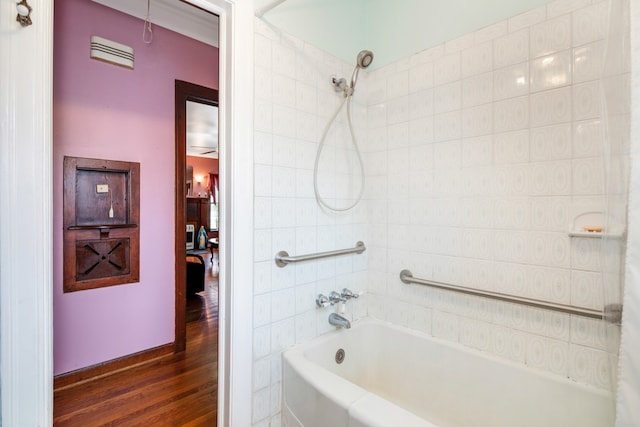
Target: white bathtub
<point>394,377</point>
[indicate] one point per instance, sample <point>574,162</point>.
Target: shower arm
<point>354,77</point>
<point>260,12</point>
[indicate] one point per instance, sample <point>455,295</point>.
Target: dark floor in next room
<point>175,390</point>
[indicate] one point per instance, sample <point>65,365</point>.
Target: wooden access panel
<point>101,222</point>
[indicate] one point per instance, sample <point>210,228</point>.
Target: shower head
<point>364,59</point>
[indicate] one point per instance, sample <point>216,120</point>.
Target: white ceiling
<point>202,130</point>
<point>175,15</point>
<point>393,30</point>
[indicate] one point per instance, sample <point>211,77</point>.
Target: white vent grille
<point>111,52</point>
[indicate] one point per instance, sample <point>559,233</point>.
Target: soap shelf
<point>591,234</point>
<point>592,220</point>
<point>595,235</point>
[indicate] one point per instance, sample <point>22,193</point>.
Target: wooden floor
<point>177,390</point>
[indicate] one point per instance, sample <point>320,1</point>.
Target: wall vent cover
<point>111,52</point>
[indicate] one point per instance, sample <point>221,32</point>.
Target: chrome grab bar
<point>283,258</point>
<point>407,277</point>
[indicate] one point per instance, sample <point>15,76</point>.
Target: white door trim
<point>26,203</point>
<point>236,198</point>
<point>26,200</point>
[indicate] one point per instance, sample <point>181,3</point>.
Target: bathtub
<point>395,377</point>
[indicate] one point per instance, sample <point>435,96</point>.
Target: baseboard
<point>111,366</point>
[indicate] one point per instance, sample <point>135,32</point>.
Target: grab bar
<point>283,258</point>
<point>407,277</point>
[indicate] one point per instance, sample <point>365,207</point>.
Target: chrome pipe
<point>407,277</point>
<point>282,258</point>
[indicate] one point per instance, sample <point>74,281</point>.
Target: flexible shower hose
<point>321,201</point>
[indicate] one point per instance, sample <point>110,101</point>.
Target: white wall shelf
<point>590,220</point>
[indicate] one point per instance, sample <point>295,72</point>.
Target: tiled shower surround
<point>479,154</point>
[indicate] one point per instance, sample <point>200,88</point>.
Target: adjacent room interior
<point>115,80</point>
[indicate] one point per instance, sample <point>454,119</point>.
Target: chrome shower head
<point>364,59</point>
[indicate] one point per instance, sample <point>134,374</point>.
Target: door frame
<point>26,296</point>
<point>184,91</point>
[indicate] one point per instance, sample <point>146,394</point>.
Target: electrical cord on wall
<point>146,29</point>
<point>321,201</point>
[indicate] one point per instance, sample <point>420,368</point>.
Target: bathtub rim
<point>296,355</point>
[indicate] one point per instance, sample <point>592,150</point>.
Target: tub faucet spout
<point>337,320</point>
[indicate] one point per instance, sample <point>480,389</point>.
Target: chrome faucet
<point>337,320</point>
<point>348,294</point>
<point>323,301</point>
<point>335,297</point>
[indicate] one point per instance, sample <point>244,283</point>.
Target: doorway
<point>128,116</point>
<point>27,332</point>
<point>194,213</point>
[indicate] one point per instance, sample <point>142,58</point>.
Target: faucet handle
<point>335,297</point>
<point>348,294</point>
<point>323,301</point>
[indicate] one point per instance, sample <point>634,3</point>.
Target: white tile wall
<point>479,153</point>
<point>505,150</point>
<point>293,102</point>
<point>510,49</point>
<point>551,35</point>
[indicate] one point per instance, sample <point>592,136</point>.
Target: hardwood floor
<point>175,390</point>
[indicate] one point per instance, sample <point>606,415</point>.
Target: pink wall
<point>202,166</point>
<point>104,111</point>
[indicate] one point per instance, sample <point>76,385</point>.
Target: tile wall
<point>481,153</point>
<point>294,100</point>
